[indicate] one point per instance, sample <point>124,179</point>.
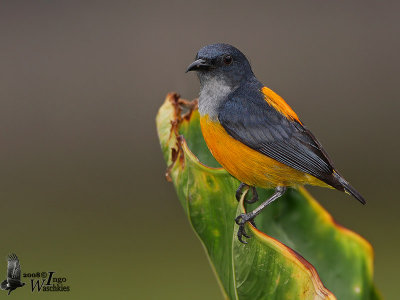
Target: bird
<point>13,280</point>
<point>254,134</point>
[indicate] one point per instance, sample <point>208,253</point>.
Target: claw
<point>241,220</point>
<point>239,193</point>
<point>244,233</point>
<point>254,197</point>
<point>241,233</point>
<point>237,220</point>
<point>240,190</point>
<point>240,239</point>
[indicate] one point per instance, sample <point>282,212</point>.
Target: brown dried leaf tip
<point>182,112</point>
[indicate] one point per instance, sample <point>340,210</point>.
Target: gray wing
<point>250,120</point>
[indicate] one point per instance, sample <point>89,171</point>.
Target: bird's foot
<point>254,193</point>
<point>241,220</point>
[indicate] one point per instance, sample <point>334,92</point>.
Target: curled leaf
<point>294,235</point>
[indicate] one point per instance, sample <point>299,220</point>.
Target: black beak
<point>197,65</point>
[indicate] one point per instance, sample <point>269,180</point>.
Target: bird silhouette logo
<point>13,280</point>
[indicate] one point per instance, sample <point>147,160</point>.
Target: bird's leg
<point>254,198</point>
<point>242,219</point>
<point>239,193</point>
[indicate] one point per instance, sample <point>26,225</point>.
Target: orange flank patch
<point>279,104</point>
<point>248,165</point>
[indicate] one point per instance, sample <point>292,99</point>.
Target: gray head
<point>221,61</point>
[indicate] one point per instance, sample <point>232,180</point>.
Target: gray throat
<point>212,93</point>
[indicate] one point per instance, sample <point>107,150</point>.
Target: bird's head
<point>221,61</point>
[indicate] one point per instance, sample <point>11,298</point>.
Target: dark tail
<point>346,187</point>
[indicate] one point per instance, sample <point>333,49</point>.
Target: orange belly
<point>248,165</point>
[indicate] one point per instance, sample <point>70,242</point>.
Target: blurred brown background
<point>82,187</point>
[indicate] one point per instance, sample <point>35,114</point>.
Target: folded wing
<point>252,120</point>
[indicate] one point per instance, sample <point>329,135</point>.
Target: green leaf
<point>294,233</point>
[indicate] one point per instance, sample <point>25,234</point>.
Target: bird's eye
<point>227,59</point>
